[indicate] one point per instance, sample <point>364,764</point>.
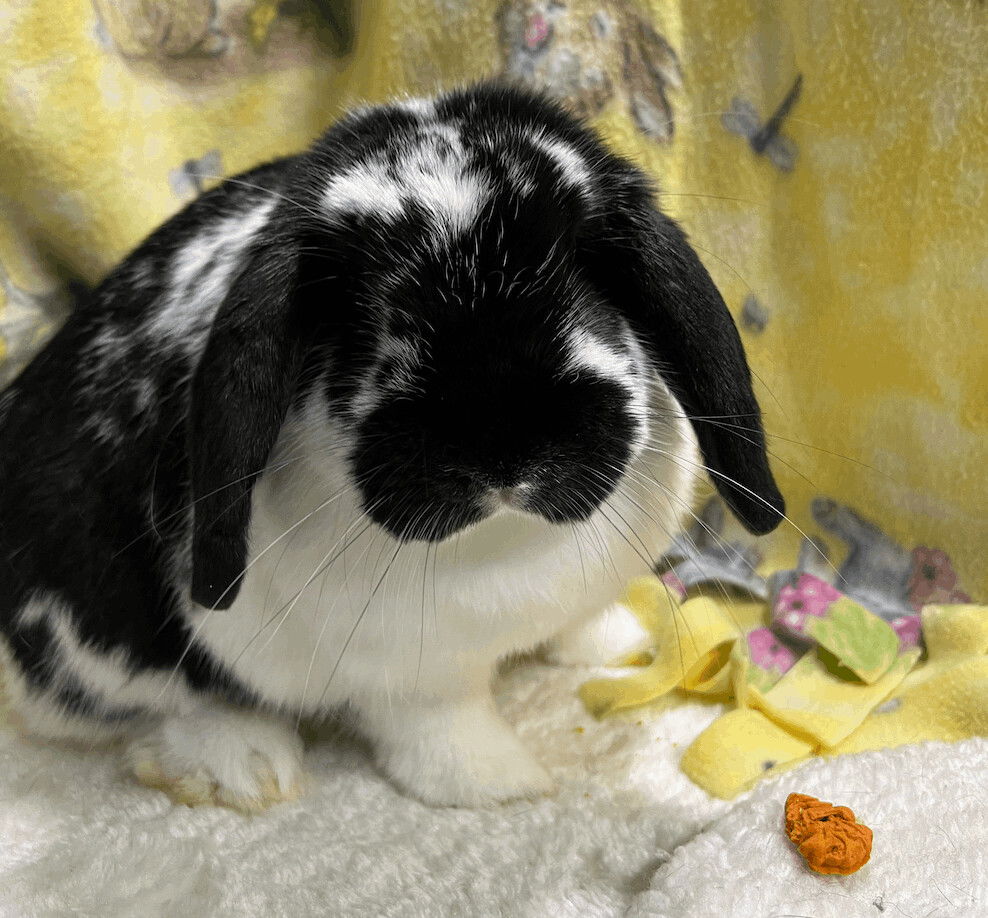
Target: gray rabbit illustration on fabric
<point>700,554</point>
<point>877,571</point>
<point>586,55</point>
<point>200,39</point>
<point>163,29</point>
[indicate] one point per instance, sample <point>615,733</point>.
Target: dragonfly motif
<point>765,139</point>
<point>754,315</point>
<point>189,179</point>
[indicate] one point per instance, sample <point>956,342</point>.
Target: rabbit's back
<point>95,506</point>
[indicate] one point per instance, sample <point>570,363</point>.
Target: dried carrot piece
<point>829,837</point>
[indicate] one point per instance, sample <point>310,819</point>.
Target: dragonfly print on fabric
<point>588,54</point>
<point>766,138</point>
<point>191,178</point>
<point>754,314</point>
<point>700,554</point>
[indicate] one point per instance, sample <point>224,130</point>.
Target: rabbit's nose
<point>537,32</point>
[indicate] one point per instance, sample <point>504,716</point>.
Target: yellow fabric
<point>810,701</point>
<point>701,649</point>
<point>97,119</point>
<point>950,630</point>
<point>740,748</point>
<point>868,257</point>
<point>811,709</point>
<point>707,629</point>
<point>944,699</point>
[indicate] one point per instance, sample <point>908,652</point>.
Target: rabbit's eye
<point>555,5</point>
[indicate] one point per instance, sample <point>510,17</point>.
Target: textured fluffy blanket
<point>627,834</point>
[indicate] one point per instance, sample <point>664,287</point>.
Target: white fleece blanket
<point>627,834</point>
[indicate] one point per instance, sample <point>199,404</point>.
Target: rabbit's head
<point>475,302</point>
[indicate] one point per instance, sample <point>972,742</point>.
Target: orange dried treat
<point>802,811</point>
<point>829,837</point>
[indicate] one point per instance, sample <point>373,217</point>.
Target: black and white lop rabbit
<point>347,430</point>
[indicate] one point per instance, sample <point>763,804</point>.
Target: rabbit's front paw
<point>459,755</point>
<point>222,757</point>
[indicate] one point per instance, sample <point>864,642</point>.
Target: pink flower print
<point>794,604</point>
<point>768,652</point>
<point>674,584</point>
<point>536,32</point>
<point>933,579</point>
<point>909,630</point>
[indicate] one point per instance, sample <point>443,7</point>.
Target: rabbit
<point>586,56</point>
<point>347,431</point>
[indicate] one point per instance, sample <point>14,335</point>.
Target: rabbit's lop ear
<point>643,262</point>
<point>240,396</point>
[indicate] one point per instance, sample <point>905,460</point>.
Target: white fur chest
<point>333,608</point>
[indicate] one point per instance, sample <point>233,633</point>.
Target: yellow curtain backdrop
<point>849,238</point>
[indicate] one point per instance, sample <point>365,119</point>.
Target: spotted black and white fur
<point>349,429</point>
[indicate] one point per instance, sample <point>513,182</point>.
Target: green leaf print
<point>863,642</point>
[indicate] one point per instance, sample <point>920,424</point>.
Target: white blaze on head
<point>430,170</point>
<point>405,355</point>
<point>364,190</point>
<point>569,161</point>
<point>415,105</point>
